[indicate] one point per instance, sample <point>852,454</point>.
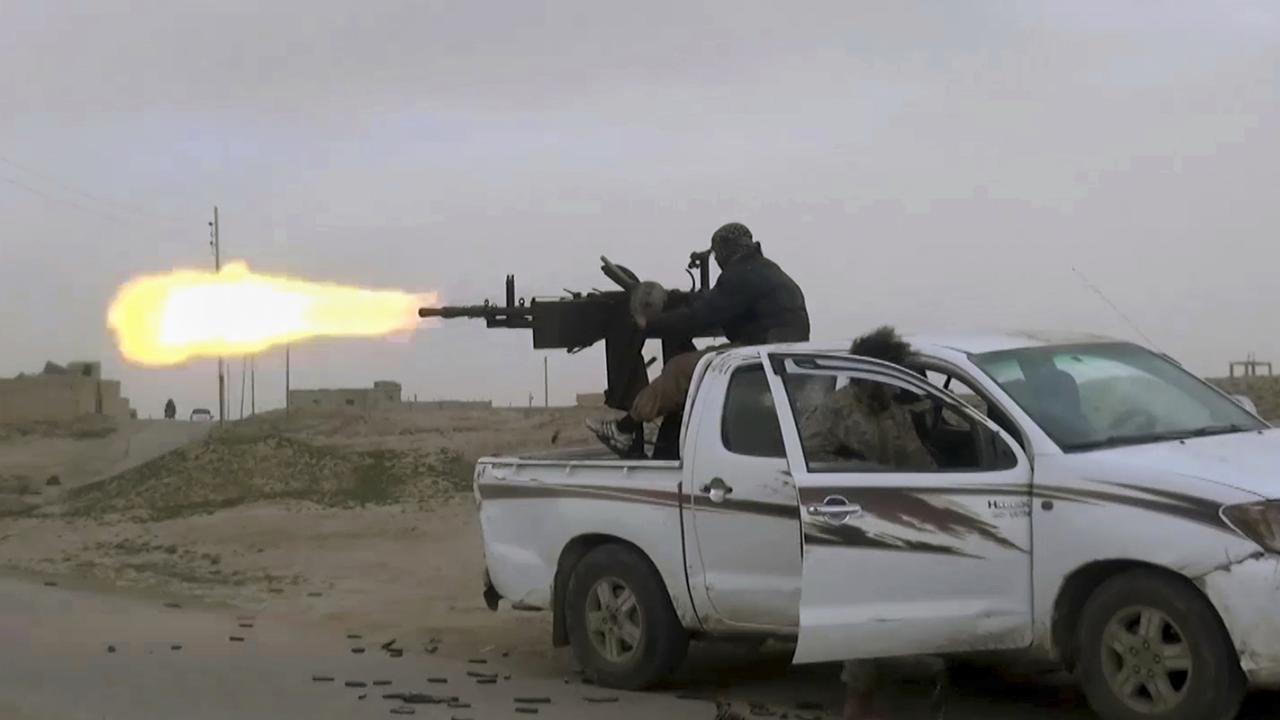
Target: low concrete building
<point>382,394</point>
<point>590,400</point>
<point>453,404</point>
<point>61,393</point>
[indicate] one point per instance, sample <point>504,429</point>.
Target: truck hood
<point>1248,461</point>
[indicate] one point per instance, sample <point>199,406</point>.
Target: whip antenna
<point>1097,291</point>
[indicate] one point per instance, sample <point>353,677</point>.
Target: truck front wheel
<point>623,630</point>
<point>1152,648</point>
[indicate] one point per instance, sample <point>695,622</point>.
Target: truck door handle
<point>835,510</point>
<point>717,490</point>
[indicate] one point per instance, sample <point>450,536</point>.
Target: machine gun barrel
<point>472,311</point>
<point>580,320</point>
<point>520,317</point>
<point>495,316</point>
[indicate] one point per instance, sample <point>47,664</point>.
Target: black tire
<point>1121,668</point>
<point>662,640</point>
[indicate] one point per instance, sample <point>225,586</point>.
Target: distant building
<point>590,400</point>
<point>62,393</point>
<point>382,394</point>
<point>453,404</point>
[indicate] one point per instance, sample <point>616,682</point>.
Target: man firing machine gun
<point>752,302</point>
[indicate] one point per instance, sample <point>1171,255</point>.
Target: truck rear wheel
<point>1153,648</point>
<point>623,630</point>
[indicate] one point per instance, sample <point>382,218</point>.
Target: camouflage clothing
<point>861,678</point>
<point>844,427</point>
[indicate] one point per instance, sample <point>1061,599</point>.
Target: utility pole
<point>217,267</point>
<point>286,380</point>
<point>244,362</point>
<point>253,385</point>
<point>546,384</point>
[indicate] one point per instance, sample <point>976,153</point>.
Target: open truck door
<point>902,560</point>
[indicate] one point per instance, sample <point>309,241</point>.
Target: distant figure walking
<point>170,410</point>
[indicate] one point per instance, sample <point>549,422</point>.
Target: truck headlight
<point>1260,522</point>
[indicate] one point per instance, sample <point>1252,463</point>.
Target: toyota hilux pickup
<point>1093,504</point>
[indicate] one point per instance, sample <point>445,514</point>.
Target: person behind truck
<point>753,303</point>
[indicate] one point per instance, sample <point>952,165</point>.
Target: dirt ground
<point>361,521</point>
<point>39,461</point>
<point>355,524</point>
<point>373,570</point>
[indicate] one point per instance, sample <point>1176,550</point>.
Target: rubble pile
<point>226,470</point>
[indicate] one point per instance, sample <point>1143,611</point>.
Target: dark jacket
<point>754,302</point>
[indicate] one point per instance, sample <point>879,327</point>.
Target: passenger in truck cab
<point>867,421</point>
<point>753,302</point>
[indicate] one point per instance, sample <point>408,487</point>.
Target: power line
<point>109,215</point>
<point>113,205</point>
<point>64,201</point>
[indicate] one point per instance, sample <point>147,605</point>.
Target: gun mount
<point>576,321</point>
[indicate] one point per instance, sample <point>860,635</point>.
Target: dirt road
<point>72,654</point>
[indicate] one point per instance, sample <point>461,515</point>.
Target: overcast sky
<point>935,165</point>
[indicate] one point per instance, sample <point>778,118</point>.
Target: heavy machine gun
<point>579,320</point>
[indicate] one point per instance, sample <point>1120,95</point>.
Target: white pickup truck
<point>1093,504</point>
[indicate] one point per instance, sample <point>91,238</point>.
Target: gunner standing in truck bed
<point>753,302</point>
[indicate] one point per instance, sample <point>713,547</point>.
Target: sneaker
<point>622,443</point>
<point>725,711</point>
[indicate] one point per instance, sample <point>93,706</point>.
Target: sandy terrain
<point>39,462</point>
<point>74,653</point>
<point>370,569</point>
<point>364,522</point>
<point>348,523</point>
<point>411,573</point>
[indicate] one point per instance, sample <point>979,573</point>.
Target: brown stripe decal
<point>1201,511</point>
<point>852,536</point>
<point>644,496</point>
<point>532,491</point>
<point>908,508</point>
<point>819,493</point>
<point>782,511</point>
<point>1203,506</point>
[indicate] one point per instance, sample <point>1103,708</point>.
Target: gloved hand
<point>647,302</point>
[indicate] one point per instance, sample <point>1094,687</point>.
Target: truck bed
<point>597,453</point>
<point>536,508</point>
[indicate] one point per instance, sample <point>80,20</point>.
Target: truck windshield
<point>1103,395</point>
